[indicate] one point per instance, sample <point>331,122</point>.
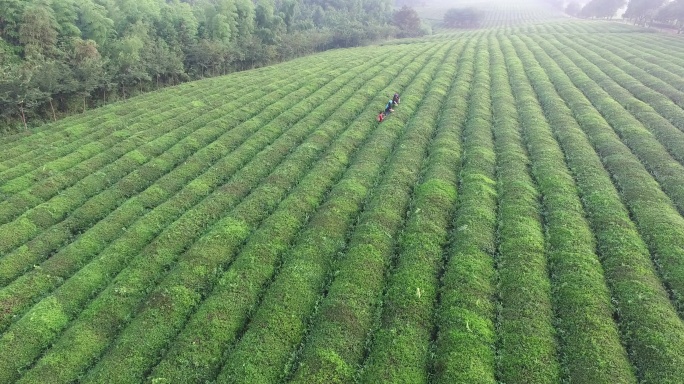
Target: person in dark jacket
<point>388,108</point>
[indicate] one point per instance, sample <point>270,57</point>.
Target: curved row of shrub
<point>279,324</point>
<point>668,53</point>
<point>589,344</point>
<point>657,218</point>
<point>56,155</point>
<point>211,97</point>
<point>176,237</point>
<point>54,136</point>
<point>626,50</point>
<point>526,343</point>
<point>61,140</point>
<point>102,192</point>
<point>56,209</point>
<point>341,340</point>
<point>240,289</point>
<point>132,183</point>
<point>77,126</point>
<point>358,295</point>
<point>272,153</point>
<point>649,325</point>
<point>655,111</point>
<point>335,345</point>
<point>464,325</point>
<point>35,184</point>
<point>663,51</point>
<point>652,75</point>
<point>214,252</point>
<point>400,347</point>
<point>670,43</point>
<point>18,295</point>
<point>51,183</point>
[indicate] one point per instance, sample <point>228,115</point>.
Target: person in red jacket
<point>381,117</point>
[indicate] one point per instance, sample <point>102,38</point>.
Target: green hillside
<point>517,219</point>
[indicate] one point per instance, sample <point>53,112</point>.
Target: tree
<point>53,78</point>
<point>642,11</point>
<point>269,25</point>
<point>88,68</point>
<point>10,19</point>
<point>602,9</point>
<point>66,16</point>
<point>573,9</point>
<point>38,30</point>
<point>672,12</point>
<point>462,18</point>
<point>177,25</point>
<point>18,91</point>
<point>408,22</point>
<point>57,55</point>
<point>9,53</point>
<point>94,24</point>
<point>246,16</point>
<point>127,60</point>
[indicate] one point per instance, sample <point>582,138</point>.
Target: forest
<point>659,13</point>
<point>62,56</point>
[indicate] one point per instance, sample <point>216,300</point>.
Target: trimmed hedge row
<point>54,136</point>
<point>336,343</point>
<point>63,139</point>
<point>400,348</point>
<point>280,322</point>
<point>666,43</point>
<point>670,75</point>
<point>99,206</point>
<point>210,97</point>
<point>655,111</point>
<point>589,343</point>
<point>652,75</point>
<point>239,290</point>
<point>526,343</point>
<point>464,332</point>
<point>53,182</point>
<point>650,50</point>
<point>100,193</point>
<point>48,155</point>
<point>159,321</point>
<point>17,296</point>
<point>648,323</point>
<point>40,218</point>
<point>658,220</point>
<point>161,253</point>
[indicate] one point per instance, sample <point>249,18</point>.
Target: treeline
<point>462,18</point>
<point>61,56</point>
<point>663,13</point>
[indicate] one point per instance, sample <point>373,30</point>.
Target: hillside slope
<point>517,218</point>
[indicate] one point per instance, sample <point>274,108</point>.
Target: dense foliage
<point>62,55</point>
<point>602,9</point>
<point>462,18</point>
<point>661,13</point>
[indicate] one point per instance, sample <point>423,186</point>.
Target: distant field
<point>517,219</point>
